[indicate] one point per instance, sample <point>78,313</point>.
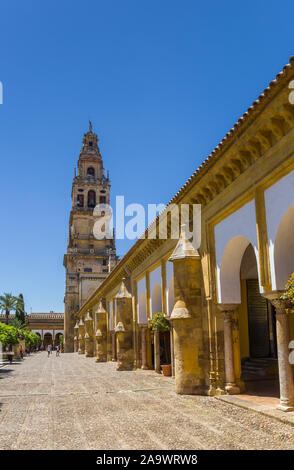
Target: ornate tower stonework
<point>88,260</point>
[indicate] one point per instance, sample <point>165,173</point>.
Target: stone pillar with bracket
<point>76,337</point>
<point>89,340</point>
<point>81,337</point>
<point>101,334</point>
<point>186,319</point>
<point>124,329</point>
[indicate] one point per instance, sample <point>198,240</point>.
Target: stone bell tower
<point>88,260</point>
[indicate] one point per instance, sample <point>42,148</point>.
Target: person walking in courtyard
<point>57,351</point>
<point>49,349</point>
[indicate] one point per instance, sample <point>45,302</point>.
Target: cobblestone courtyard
<point>71,402</point>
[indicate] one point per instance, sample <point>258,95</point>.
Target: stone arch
<point>57,338</point>
<point>279,200</point>
<point>284,249</point>
<point>228,273</point>
<point>91,198</point>
<point>39,334</point>
<point>47,339</point>
<point>91,172</point>
<point>156,301</point>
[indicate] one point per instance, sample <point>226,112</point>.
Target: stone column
<point>76,337</point>
<point>124,329</point>
<point>186,319</point>
<point>143,347</point>
<point>113,346</point>
<point>101,334</point>
<point>81,337</point>
<point>157,352</point>
<point>149,348</point>
<point>89,340</point>
<point>172,354</point>
<point>228,311</point>
<point>283,339</point>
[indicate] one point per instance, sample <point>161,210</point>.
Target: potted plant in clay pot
<point>159,323</point>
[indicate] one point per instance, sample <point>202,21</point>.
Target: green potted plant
<point>288,296</point>
<point>159,323</point>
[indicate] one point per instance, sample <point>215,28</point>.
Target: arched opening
<point>91,199</point>
<point>255,339</point>
<point>57,339</point>
<point>40,342</point>
<point>90,172</point>
<point>80,200</point>
<point>253,332</point>
<point>260,316</point>
<point>284,249</point>
<point>229,270</point>
<point>47,339</point>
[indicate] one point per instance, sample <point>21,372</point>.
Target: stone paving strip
<point>72,402</point>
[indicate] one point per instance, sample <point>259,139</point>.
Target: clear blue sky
<point>161,80</point>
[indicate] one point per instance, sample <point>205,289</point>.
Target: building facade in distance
<point>88,261</point>
<point>49,326</point>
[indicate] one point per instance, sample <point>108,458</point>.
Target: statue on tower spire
<point>90,127</point>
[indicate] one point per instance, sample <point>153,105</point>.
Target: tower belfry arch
<point>87,260</point>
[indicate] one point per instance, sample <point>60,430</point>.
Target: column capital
<point>279,303</point>
<point>227,309</point>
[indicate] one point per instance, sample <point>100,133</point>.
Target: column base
<point>144,367</point>
<point>122,367</point>
<point>232,389</point>
<point>100,359</point>
<point>191,390</point>
<point>215,391</point>
<point>285,408</point>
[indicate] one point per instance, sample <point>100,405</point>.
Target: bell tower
<point>87,260</point>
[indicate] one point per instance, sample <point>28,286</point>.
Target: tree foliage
<point>20,309</point>
<point>7,303</point>
<point>289,289</point>
<point>31,338</point>
<point>9,335</point>
<point>17,323</point>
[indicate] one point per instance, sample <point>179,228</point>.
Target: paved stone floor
<point>71,402</point>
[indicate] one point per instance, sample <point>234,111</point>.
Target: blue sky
<point>161,80</point>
